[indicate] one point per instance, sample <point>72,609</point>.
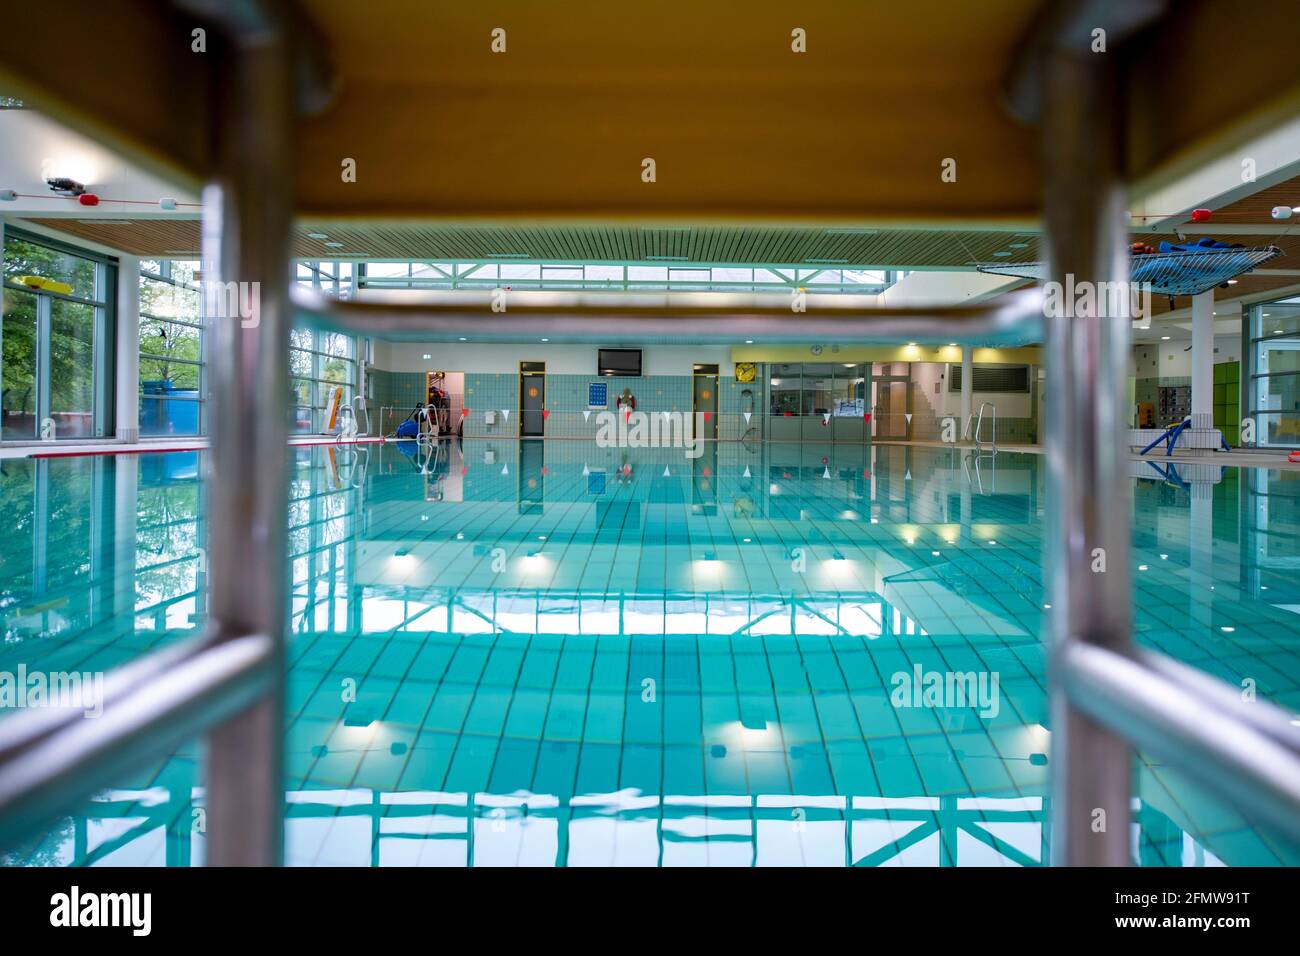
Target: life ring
<point>1294,457</point>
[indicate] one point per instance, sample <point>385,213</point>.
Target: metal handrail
<point>1015,317</point>
<point>1104,694</point>
<point>979,427</point>
<point>1247,752</point>
<point>149,707</point>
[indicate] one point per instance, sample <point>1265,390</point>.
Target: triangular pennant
<point>746,474</point>
<point>505,469</point>
<point>586,470</point>
<point>908,416</point>
<point>866,417</point>
<point>907,475</point>
<point>464,412</point>
<point>667,474</point>
<point>747,414</point>
<point>586,414</point>
<point>546,413</point>
<point>505,414</point>
<point>707,416</point>
<point>826,418</point>
<point>826,473</point>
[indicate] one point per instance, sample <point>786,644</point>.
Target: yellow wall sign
<point>745,371</point>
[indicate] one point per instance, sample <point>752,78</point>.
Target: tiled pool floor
<point>528,653</point>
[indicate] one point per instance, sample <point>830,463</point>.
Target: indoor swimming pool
<point>552,653</point>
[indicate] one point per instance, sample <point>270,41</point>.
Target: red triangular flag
<point>546,413</point>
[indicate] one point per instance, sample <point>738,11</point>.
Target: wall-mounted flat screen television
<point>619,362</point>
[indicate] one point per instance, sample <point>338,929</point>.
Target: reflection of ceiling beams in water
<point>966,583</point>
<point>850,614</point>
<point>836,830</point>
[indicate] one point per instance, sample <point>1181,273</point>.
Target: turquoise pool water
<point>527,653</point>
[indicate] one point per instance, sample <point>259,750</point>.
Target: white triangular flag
<point>586,414</point>
<point>505,414</point>
<point>666,472</point>
<point>827,472</point>
<point>586,470</point>
<point>908,416</point>
<point>746,474</point>
<point>747,414</point>
<point>505,469</point>
<point>907,475</point>
<point>826,418</point>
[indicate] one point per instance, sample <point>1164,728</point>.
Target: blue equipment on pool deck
<point>1170,437</point>
<point>1172,434</point>
<point>408,429</point>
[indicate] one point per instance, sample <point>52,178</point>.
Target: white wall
<point>32,146</point>
<point>926,375</point>
<point>1172,361</point>
<point>560,359</point>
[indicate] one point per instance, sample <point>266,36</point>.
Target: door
<point>532,399</point>
<point>55,374</point>
<point>889,418</point>
<point>704,402</point>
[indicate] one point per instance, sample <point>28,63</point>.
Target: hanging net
<point>1186,270</point>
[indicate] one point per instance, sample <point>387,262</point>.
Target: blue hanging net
<point>1176,269</point>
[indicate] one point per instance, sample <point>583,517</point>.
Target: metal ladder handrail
<point>1105,695</point>
<point>979,427</point>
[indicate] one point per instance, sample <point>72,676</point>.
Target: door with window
<point>704,402</point>
<point>57,336</point>
<point>532,399</point>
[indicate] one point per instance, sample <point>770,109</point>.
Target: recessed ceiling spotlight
<point>334,245</point>
<point>1164,338</point>
<point>317,235</point>
<point>546,340</point>
<point>749,341</point>
<point>462,338</point>
<point>1232,282</point>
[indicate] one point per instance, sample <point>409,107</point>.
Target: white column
<point>1203,360</point>
<point>967,385</point>
<point>128,349</point>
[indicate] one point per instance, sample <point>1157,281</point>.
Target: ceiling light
<point>749,341</point>
<point>1164,338</point>
<point>317,235</point>
<point>462,338</point>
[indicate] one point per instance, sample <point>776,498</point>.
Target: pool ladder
<point>978,420</point>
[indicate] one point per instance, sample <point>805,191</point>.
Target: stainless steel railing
<point>1106,696</point>
<point>977,421</point>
